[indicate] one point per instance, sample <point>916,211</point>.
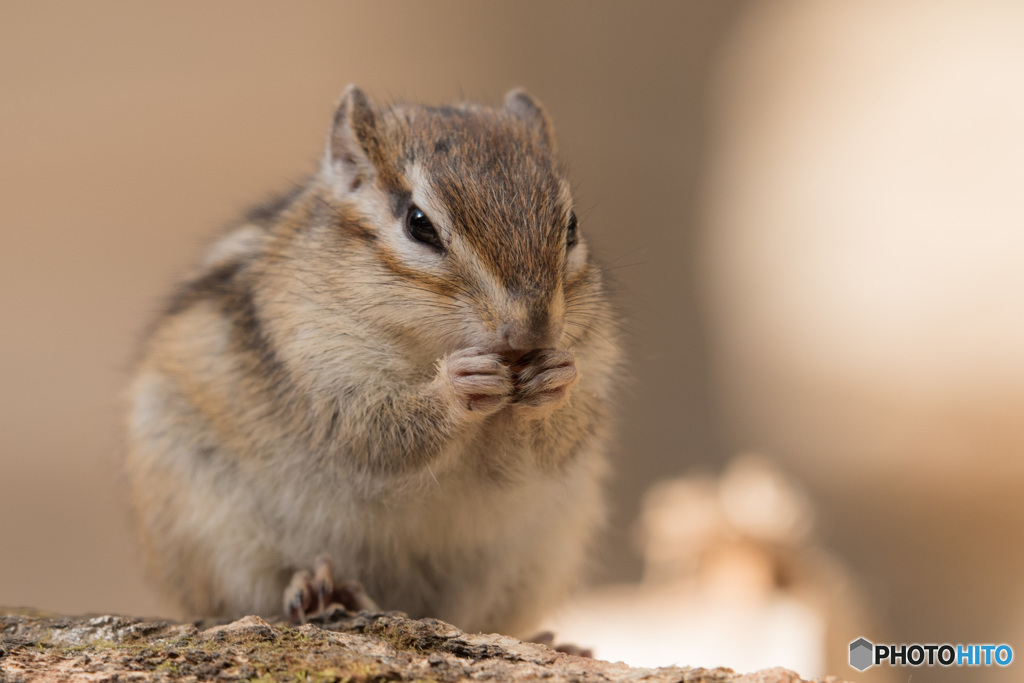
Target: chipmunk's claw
<point>298,597</point>
<point>323,582</point>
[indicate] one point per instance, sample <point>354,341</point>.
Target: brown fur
<point>432,419</point>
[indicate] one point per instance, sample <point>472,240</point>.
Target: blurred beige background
<point>863,262</point>
<point>131,132</point>
<point>812,212</point>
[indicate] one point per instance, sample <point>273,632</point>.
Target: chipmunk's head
<point>453,226</point>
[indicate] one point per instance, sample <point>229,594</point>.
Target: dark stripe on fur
<point>215,283</point>
<point>437,285</point>
<point>268,212</point>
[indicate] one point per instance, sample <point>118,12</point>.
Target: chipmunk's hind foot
<point>548,638</point>
<point>310,593</point>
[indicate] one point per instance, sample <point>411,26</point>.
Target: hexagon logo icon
<point>861,654</point>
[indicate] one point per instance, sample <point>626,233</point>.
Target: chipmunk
<point>405,368</point>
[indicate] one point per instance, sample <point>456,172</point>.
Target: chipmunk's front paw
<point>476,381</point>
<point>543,379</point>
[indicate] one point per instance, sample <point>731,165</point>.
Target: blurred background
<point>812,211</point>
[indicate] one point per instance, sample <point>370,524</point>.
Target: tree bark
<point>337,646</point>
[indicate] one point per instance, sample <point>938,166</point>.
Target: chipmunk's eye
<point>421,229</point>
<point>571,231</point>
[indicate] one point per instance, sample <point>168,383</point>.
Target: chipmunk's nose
<point>536,330</point>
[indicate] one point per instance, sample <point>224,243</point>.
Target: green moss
<point>43,642</point>
<point>324,676</point>
<point>169,666</point>
<point>285,655</point>
<point>98,645</point>
<point>403,639</point>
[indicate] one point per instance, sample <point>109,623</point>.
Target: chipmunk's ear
<point>353,141</point>
<point>525,108</point>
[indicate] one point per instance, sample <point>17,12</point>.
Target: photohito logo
<point>864,653</point>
